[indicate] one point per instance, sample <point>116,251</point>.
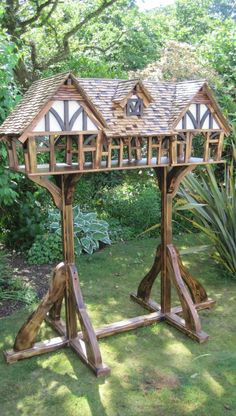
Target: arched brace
<point>145,286</point>
<point>91,344</point>
<point>190,314</point>
<point>195,288</point>
<point>27,334</point>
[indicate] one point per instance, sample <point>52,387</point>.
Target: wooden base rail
<point>65,287</point>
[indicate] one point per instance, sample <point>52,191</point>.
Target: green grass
<point>155,370</point>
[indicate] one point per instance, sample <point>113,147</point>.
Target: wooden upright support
<point>66,286</point>
<point>167,261</point>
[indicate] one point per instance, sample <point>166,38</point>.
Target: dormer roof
<point>125,89</point>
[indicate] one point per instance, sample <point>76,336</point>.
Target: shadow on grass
<point>155,370</point>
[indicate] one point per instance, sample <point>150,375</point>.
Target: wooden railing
<point>96,152</point>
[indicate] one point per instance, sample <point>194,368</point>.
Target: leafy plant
<point>89,231</point>
<point>12,288</point>
<point>134,205</point>
<point>214,208</point>
<point>46,249</point>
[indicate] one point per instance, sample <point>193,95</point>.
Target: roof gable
<point>125,89</point>
<point>39,99</point>
<point>197,107</point>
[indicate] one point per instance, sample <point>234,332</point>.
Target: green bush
<point>12,288</point>
<point>25,218</point>
<point>46,249</point>
<point>133,205</point>
<point>119,232</point>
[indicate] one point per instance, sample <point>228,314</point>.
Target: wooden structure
<point>65,127</point>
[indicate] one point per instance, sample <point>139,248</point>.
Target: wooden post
<point>69,258</point>
<point>191,293</point>
<point>166,236</point>
<point>69,150</point>
<point>32,154</point>
<point>81,152</point>
<point>52,159</point>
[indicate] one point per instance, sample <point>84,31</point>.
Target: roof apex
<point>125,88</point>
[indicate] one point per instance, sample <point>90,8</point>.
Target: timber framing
<point>65,127</point>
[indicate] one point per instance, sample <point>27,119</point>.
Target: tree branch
<point>104,50</point>
<point>39,9</point>
<point>45,20</point>
<point>65,43</point>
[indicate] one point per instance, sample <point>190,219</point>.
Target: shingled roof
<point>169,99</point>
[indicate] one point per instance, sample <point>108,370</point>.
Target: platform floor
<point>126,164</point>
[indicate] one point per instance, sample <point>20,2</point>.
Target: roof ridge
<point>52,77</point>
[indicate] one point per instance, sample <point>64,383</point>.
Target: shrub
<point>26,217</point>
<point>134,206</point>
<point>13,288</point>
<point>46,249</point>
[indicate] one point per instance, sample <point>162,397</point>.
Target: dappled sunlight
<point>152,368</point>
<point>195,399</point>
<point>175,351</point>
<point>213,385</point>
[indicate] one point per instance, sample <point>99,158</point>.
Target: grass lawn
<point>156,371</point>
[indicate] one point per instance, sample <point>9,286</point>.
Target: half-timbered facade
<point>64,124</point>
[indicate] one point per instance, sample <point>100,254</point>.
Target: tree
<point>50,31</point>
<point>179,61</point>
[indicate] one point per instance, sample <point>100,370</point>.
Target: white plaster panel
<point>59,107</point>
<point>189,124</point>
<point>73,107</point>
<point>41,125</point>
<point>215,124</point>
<point>203,109</point>
<point>78,124</point>
<point>54,125</point>
<point>179,125</point>
<point>206,123</point>
<point>91,125</point>
<point>193,109</point>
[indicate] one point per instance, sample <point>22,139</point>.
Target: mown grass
<point>155,370</point>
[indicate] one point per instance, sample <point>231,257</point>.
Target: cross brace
<point>65,285</point>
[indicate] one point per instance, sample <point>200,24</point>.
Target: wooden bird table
<point>65,285</point>
<point>65,127</point>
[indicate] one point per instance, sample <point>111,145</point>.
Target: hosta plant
<point>89,231</point>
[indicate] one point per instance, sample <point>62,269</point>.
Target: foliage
<point>107,38</point>
<point>179,61</point>
<point>214,207</point>
<point>46,249</point>
<point>26,217</point>
<point>13,288</point>
<point>34,28</point>
<point>89,231</point>
<point>8,59</point>
<point>134,205</point>
<point>219,50</point>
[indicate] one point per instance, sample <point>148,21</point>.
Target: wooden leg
<point>191,293</point>
<point>196,290</point>
<point>28,332</point>
<point>191,323</point>
<point>145,286</point>
<point>91,353</point>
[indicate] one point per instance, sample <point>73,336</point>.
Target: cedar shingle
<point>169,99</point>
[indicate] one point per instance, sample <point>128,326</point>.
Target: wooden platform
<point>141,164</point>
